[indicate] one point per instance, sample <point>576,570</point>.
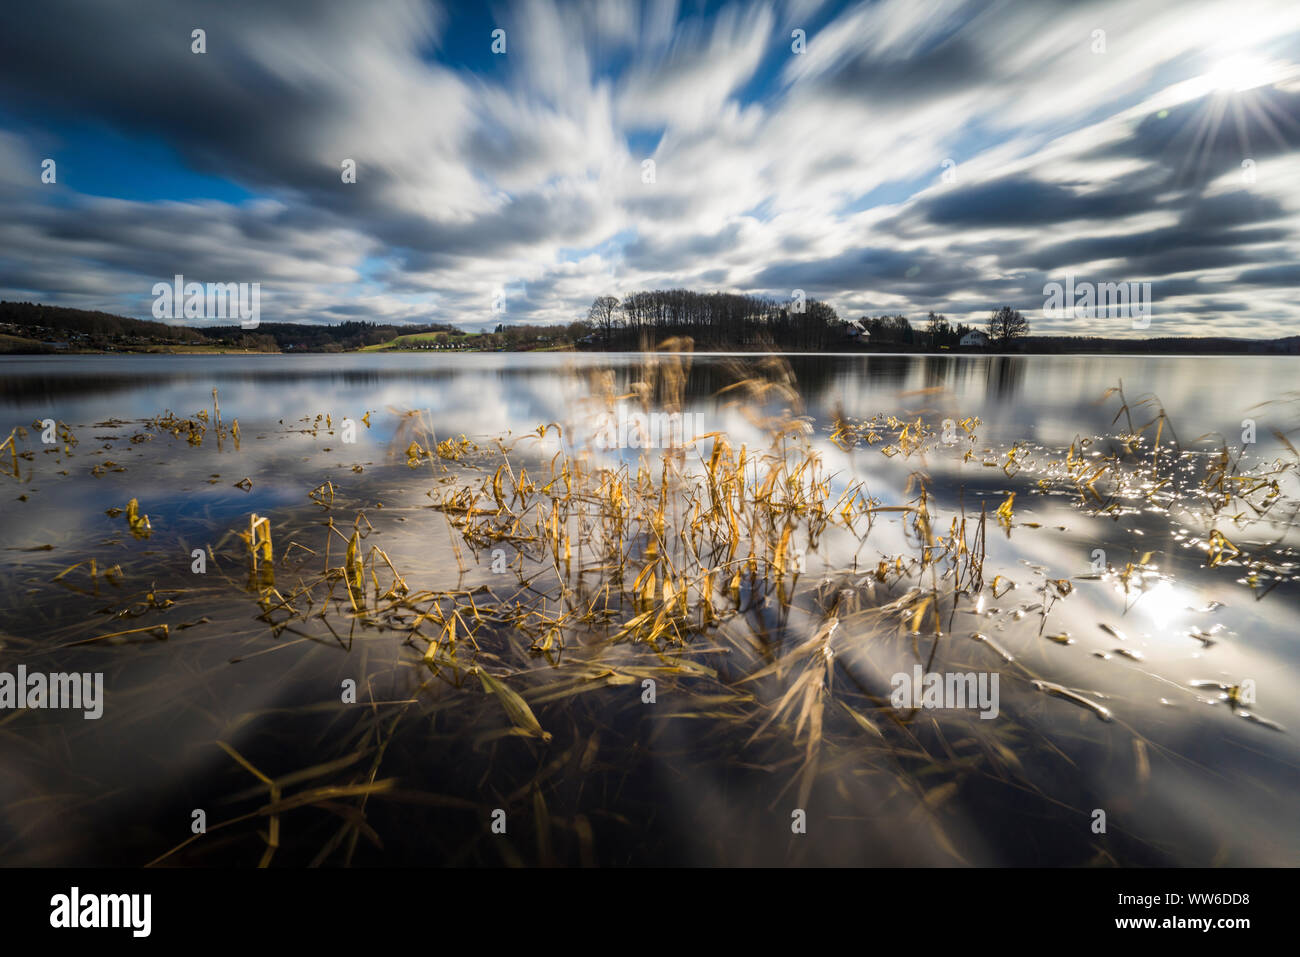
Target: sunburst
<point>1234,92</point>
<point>1237,74</point>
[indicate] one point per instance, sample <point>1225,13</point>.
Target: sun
<point>1236,74</point>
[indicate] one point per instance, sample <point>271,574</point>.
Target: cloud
<point>1023,201</point>
<point>773,170</point>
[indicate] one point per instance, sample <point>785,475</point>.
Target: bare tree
<point>716,318</point>
<point>1006,325</point>
<point>937,328</point>
<point>601,314</point>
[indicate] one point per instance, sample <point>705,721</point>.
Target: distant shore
<point>1132,349</point>
<point>35,329</point>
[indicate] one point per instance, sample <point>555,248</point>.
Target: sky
<point>883,156</point>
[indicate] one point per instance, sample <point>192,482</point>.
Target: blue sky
<point>1115,142</point>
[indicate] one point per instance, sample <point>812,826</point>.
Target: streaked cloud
<point>1121,141</point>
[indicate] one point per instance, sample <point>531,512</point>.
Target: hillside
<point>27,327</point>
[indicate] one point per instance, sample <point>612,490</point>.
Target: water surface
<point>1183,776</point>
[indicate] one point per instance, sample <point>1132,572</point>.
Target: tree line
<point>640,319</point>
<point>1005,325</point>
<point>712,319</point>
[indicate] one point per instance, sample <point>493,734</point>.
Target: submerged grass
<point>709,619</point>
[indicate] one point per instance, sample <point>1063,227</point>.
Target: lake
<point>490,627</point>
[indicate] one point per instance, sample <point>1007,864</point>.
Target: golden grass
<point>624,572</point>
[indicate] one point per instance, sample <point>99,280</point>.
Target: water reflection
<point>1006,377</point>
<point>1204,786</point>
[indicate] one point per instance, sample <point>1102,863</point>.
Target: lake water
<point>1186,645</point>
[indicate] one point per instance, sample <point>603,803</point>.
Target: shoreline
<point>638,352</point>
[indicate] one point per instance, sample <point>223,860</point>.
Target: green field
<point>20,345</point>
<point>411,341</point>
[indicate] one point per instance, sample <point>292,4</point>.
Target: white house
<point>975,338</point>
<point>855,329</point>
